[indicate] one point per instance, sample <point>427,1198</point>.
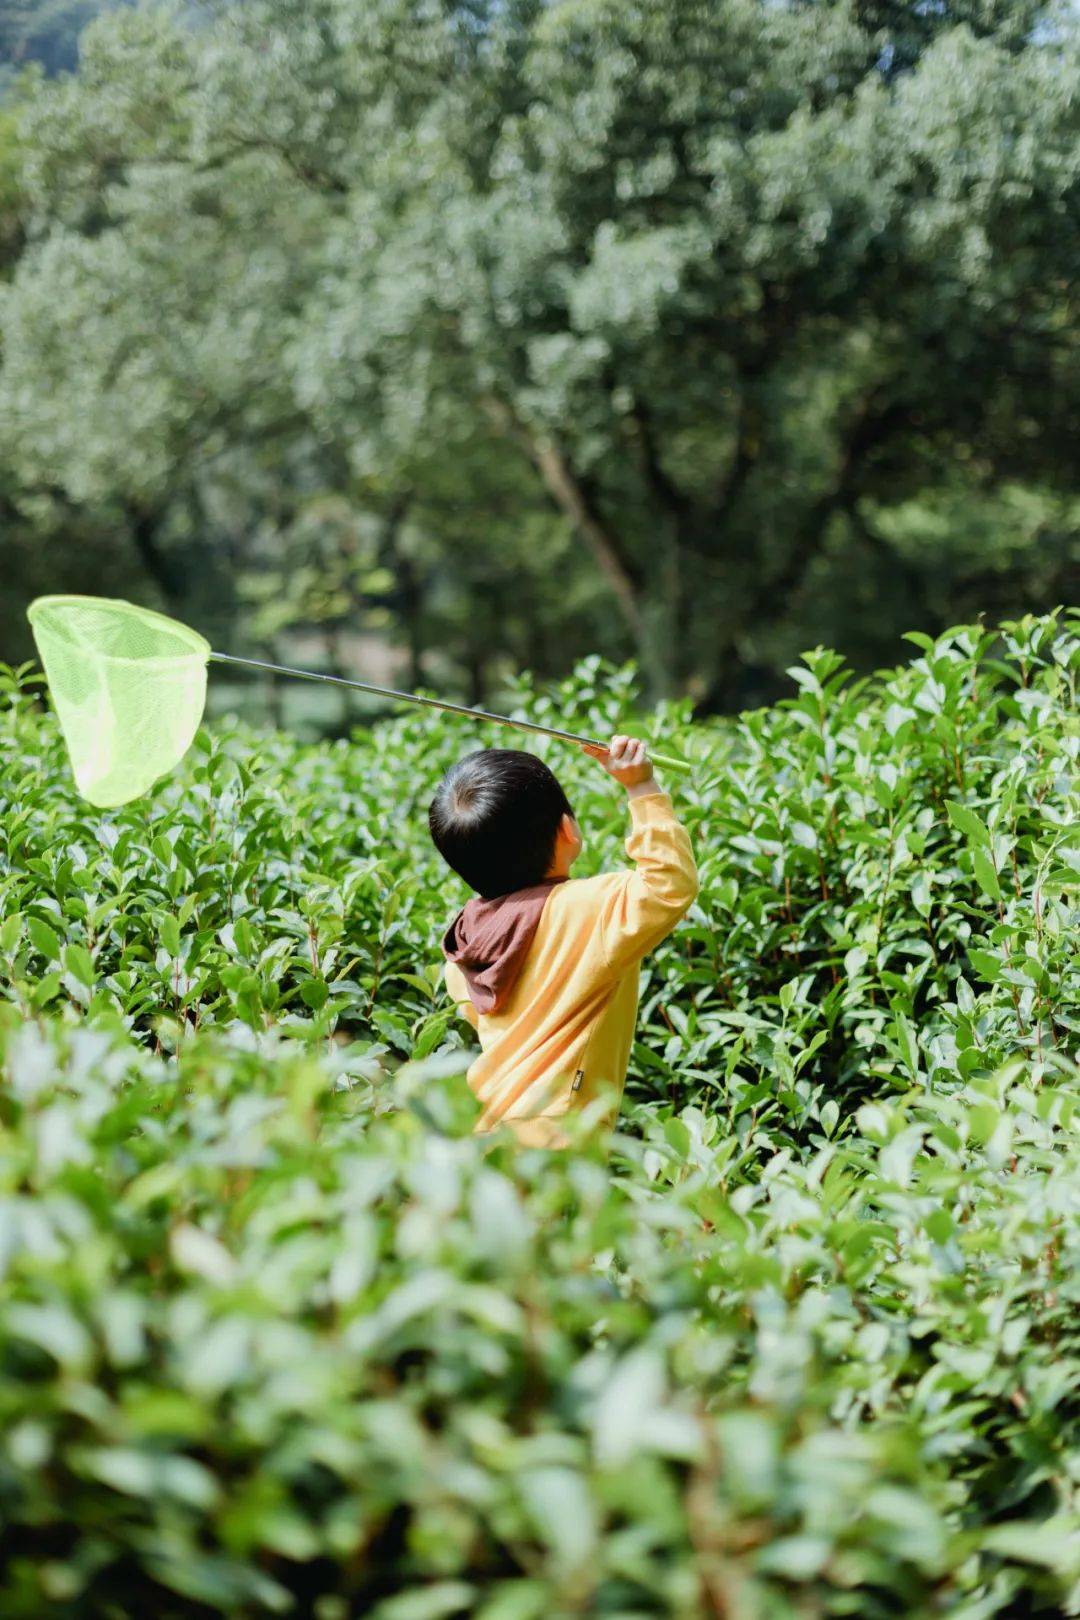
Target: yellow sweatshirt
<point>567,1027</point>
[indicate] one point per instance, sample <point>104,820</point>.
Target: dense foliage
<point>516,328</point>
<point>279,1335</point>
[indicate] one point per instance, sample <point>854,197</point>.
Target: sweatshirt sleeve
<point>459,993</point>
<point>642,906</point>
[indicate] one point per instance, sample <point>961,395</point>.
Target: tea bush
<point>279,1335</point>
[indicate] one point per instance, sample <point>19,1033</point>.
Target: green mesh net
<point>128,686</point>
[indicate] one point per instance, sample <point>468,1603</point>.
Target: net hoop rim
<point>201,648</point>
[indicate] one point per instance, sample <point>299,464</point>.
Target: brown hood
<point>489,940</point>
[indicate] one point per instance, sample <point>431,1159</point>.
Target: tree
<point>748,299</point>
<point>732,279</point>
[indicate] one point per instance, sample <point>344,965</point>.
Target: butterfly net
<point>128,686</point>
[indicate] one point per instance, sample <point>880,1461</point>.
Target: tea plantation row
<point>279,1335</point>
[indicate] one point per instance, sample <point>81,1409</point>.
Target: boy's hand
<point>625,759</point>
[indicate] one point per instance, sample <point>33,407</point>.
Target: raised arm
<point>643,905</point>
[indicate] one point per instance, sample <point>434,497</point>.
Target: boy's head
<point>502,821</point>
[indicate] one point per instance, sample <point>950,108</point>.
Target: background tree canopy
<point>508,330</point>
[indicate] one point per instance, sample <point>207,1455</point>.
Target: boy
<point>545,966</point>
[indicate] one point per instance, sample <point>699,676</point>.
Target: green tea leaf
<point>43,939</point>
<point>985,873</point>
<point>968,822</point>
<point>78,963</point>
<point>10,933</point>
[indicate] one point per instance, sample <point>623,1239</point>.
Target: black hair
<point>495,817</point>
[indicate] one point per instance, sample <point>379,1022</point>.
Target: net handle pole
<point>666,762</point>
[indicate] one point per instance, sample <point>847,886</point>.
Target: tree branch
<point>663,487</point>
<point>314,179</point>
<point>576,497</point>
<point>916,580</point>
<point>871,429</point>
<point>161,568</point>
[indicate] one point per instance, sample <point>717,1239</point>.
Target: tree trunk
<point>573,498</point>
<point>576,497</point>
<point>160,567</point>
<point>409,587</point>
